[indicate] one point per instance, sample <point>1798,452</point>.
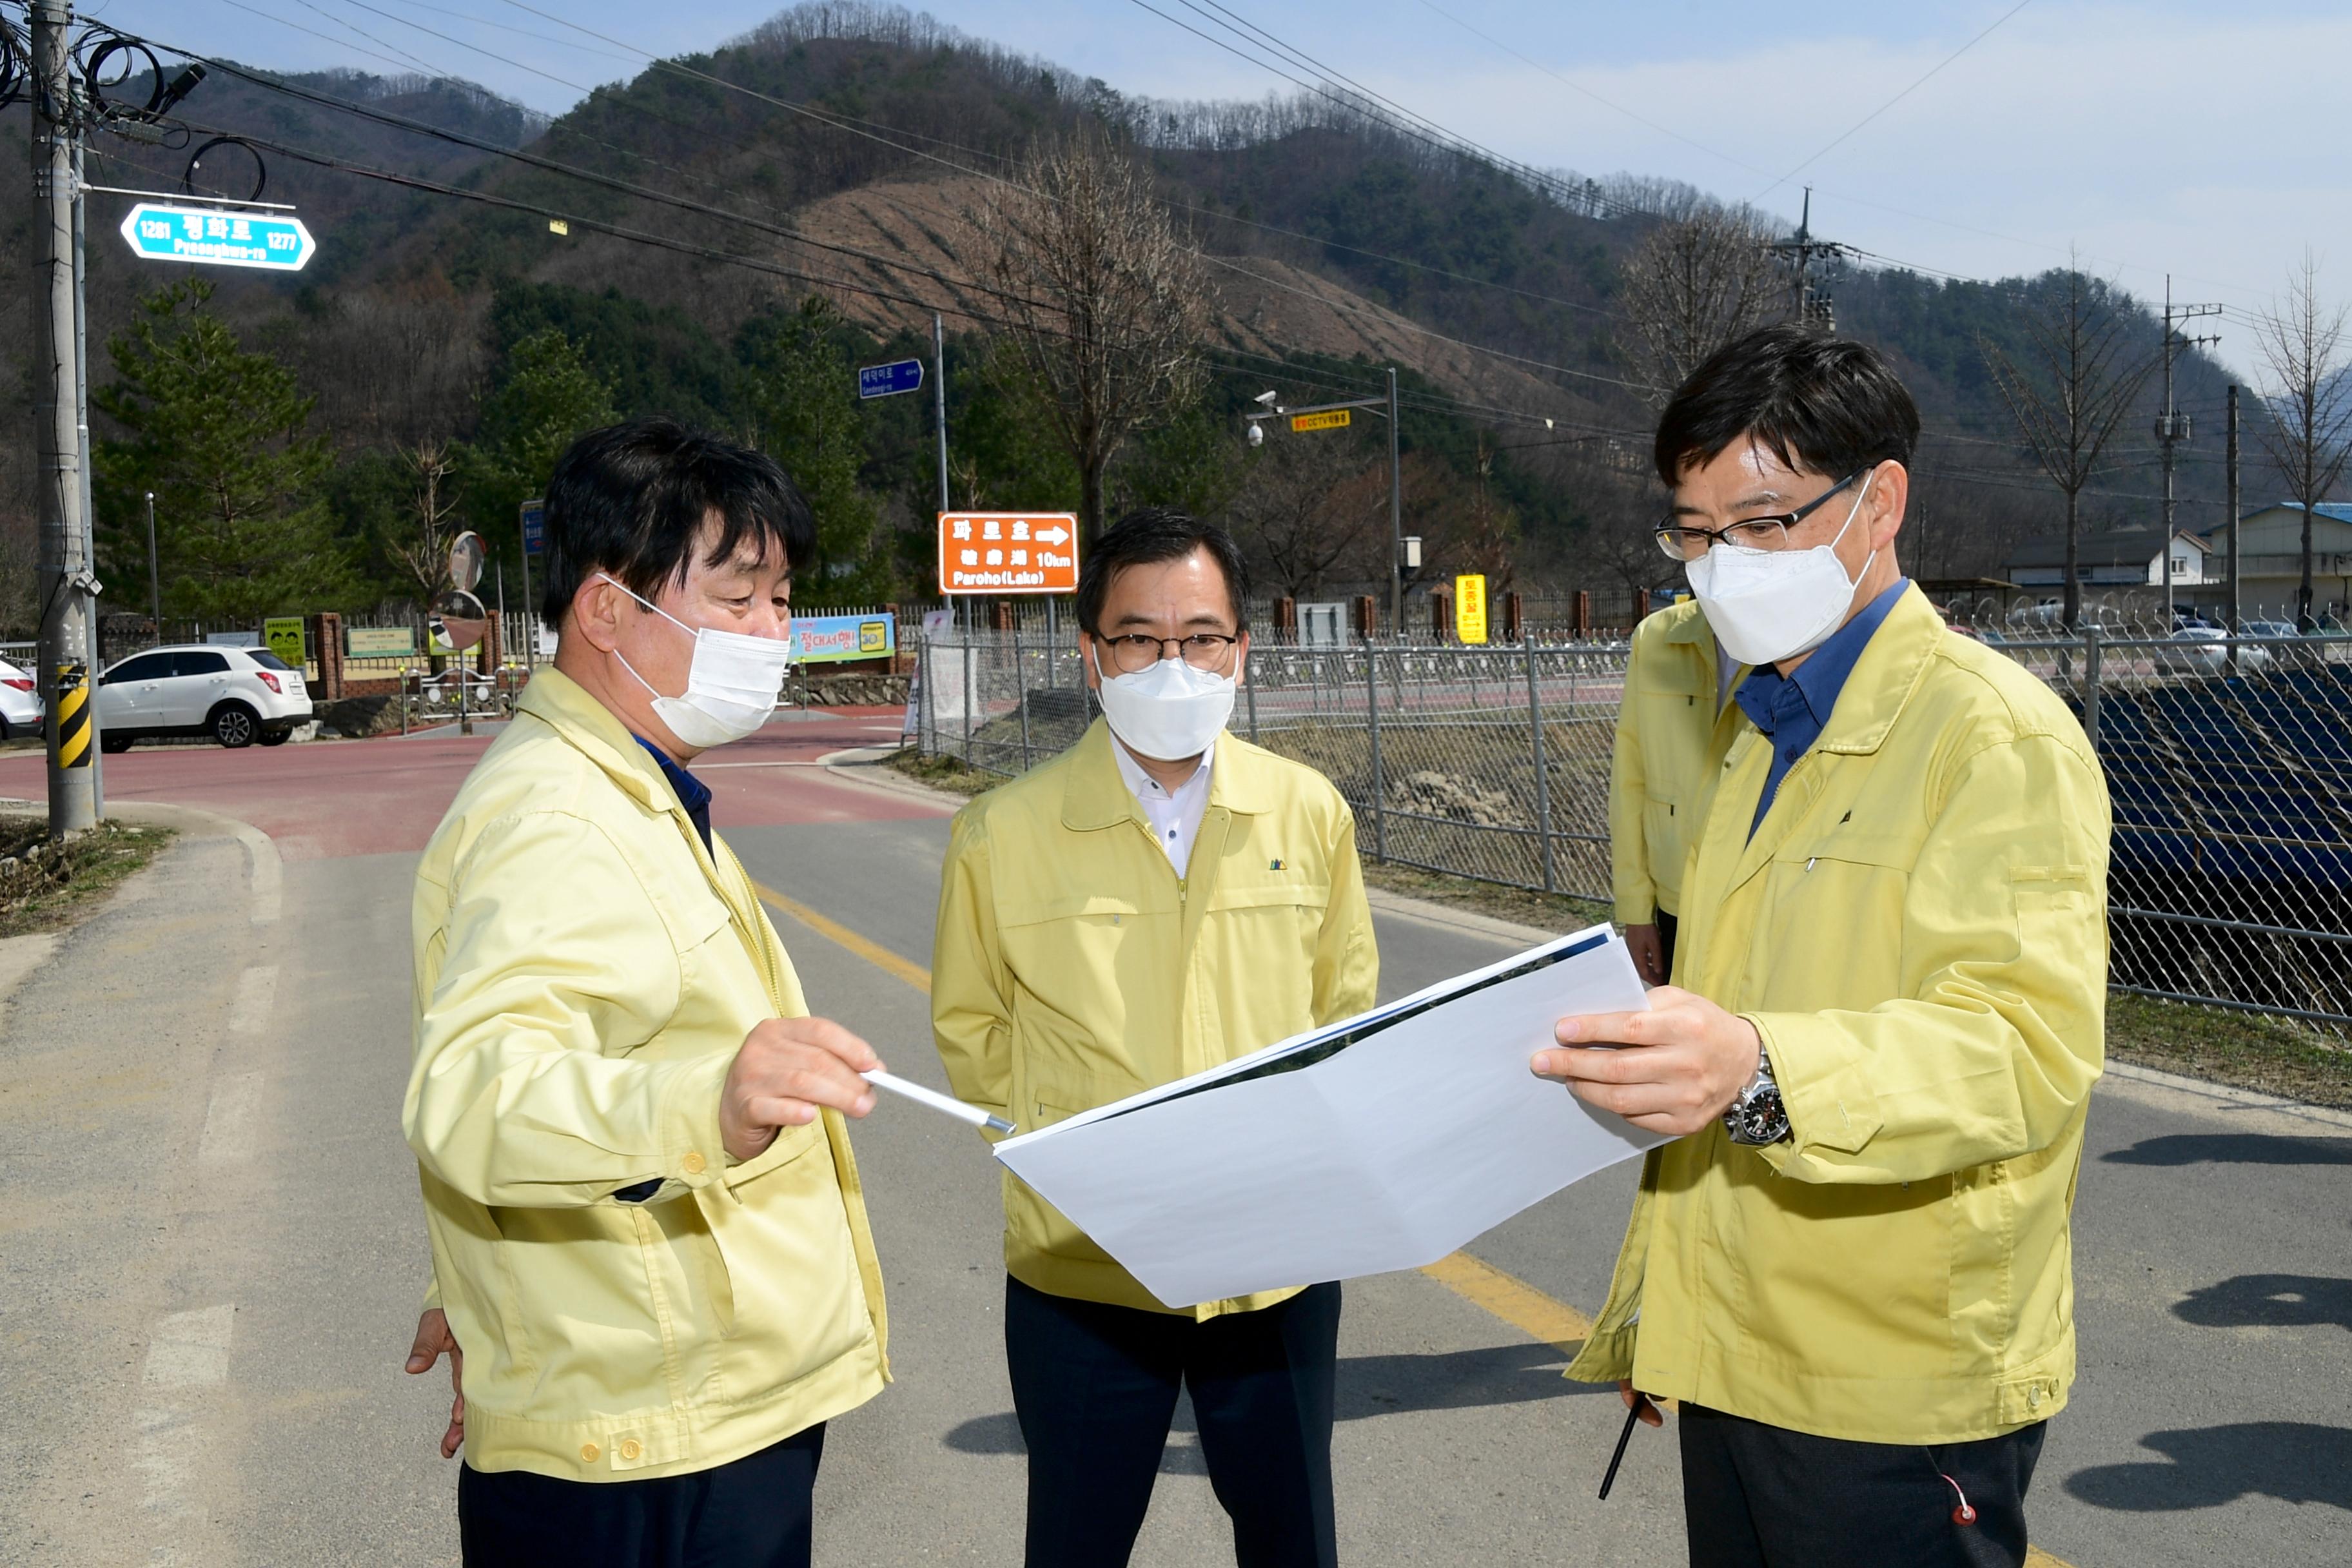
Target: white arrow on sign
<point>1056,534</point>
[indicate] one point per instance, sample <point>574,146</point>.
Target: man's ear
<point>1890,496</point>
<point>1086,659</point>
<point>595,614</point>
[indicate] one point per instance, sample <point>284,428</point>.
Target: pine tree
<point>799,380</point>
<point>220,436</point>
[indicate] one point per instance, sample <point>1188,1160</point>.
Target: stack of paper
<point>1383,1142</point>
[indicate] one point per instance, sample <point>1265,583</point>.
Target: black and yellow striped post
<point>71,736</point>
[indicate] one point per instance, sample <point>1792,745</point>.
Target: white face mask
<point>1765,606</point>
<point>731,688</point>
<point>1168,713</point>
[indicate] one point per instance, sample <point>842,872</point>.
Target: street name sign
<point>1470,607</point>
<point>888,380</point>
<point>1008,553</point>
<point>534,527</point>
<point>274,243</point>
<point>1330,419</point>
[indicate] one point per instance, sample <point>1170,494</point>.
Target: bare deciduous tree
<point>1697,282</point>
<point>433,500</point>
<point>1304,515</point>
<point>2071,394</point>
<point>2309,433</point>
<point>1105,301</point>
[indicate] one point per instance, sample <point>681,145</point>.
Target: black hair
<point>1145,538</point>
<point>633,500</point>
<point>1830,405</point>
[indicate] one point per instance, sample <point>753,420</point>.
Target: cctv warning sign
<point>1008,553</point>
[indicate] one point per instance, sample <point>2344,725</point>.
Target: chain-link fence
<point>2229,761</point>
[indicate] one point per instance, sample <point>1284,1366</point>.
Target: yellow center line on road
<point>1542,1318</point>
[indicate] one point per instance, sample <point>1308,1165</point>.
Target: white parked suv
<point>20,702</point>
<point>236,695</point>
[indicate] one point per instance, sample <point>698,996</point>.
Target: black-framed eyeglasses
<point>1683,541</point>
<point>1135,652</point>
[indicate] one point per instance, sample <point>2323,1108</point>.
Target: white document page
<point>1383,1142</point>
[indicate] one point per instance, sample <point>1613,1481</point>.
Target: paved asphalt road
<point>212,1249</point>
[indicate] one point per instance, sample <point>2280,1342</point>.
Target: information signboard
<point>1330,419</point>
<point>1470,607</point>
<point>831,639</point>
<point>1008,553</point>
<point>379,641</point>
<point>284,636</point>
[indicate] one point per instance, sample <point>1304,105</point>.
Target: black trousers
<point>750,1513</point>
<point>1668,925</point>
<point>1094,1388</point>
<point>1763,1496</point>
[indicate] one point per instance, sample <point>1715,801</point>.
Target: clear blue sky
<point>2163,136</point>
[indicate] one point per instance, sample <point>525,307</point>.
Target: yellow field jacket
<point>1672,729</point>
<point>585,972</point>
<point>1073,967</point>
<point>1918,931</point>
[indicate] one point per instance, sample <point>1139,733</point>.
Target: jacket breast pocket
<point>1842,896</point>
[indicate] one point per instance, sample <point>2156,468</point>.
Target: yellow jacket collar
<point>564,706</point>
<point>1885,676</point>
<point>1096,796</point>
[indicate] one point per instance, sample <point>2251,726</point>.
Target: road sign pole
<point>939,400</point>
<point>529,610</point>
<point>65,582</point>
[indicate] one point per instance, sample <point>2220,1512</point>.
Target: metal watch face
<point>1761,1118</point>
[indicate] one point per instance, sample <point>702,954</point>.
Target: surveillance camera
<point>1256,434</point>
<point>1266,398</point>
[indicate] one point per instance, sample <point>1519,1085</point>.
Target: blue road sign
<point>275,243</point>
<point>534,527</point>
<point>886,380</point>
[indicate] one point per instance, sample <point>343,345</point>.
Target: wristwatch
<point>1757,1117</point>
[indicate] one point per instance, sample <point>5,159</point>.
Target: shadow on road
<point>2232,1148</point>
<point>1369,1385</point>
<point>2207,1467</point>
<point>2281,1300</point>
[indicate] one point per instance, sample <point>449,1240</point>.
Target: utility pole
<point>2235,607</point>
<point>65,583</point>
<point>1396,518</point>
<point>1812,310</point>
<point>81,442</point>
<point>2172,426</point>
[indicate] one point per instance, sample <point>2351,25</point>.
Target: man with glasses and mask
<point>648,1237</point>
<point>1852,1266</point>
<point>1162,897</point>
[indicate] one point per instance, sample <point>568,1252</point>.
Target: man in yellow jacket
<point>1162,897</point>
<point>648,1238</point>
<point>1673,727</point>
<point>1852,1267</point>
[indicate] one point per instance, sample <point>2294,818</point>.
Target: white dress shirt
<point>1175,817</point>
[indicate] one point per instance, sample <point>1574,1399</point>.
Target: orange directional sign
<point>1008,553</point>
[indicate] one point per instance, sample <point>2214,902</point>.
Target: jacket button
<point>693,1163</point>
<point>2034,1397</point>
<point>630,1449</point>
<point>589,1451</point>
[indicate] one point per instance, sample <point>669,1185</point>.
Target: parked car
<point>20,702</point>
<point>239,695</point>
<point>2205,650</point>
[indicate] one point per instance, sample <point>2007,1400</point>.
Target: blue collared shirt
<point>692,793</point>
<point>1793,710</point>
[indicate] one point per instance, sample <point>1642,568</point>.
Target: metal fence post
<point>927,729</point>
<point>2091,685</point>
<point>971,687</point>
<point>1372,710</point>
<point>1021,694</point>
<point>1543,779</point>
<point>1249,695</point>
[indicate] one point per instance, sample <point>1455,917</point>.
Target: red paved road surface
<point>372,797</point>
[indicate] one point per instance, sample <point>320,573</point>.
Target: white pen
<point>973,1114</point>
